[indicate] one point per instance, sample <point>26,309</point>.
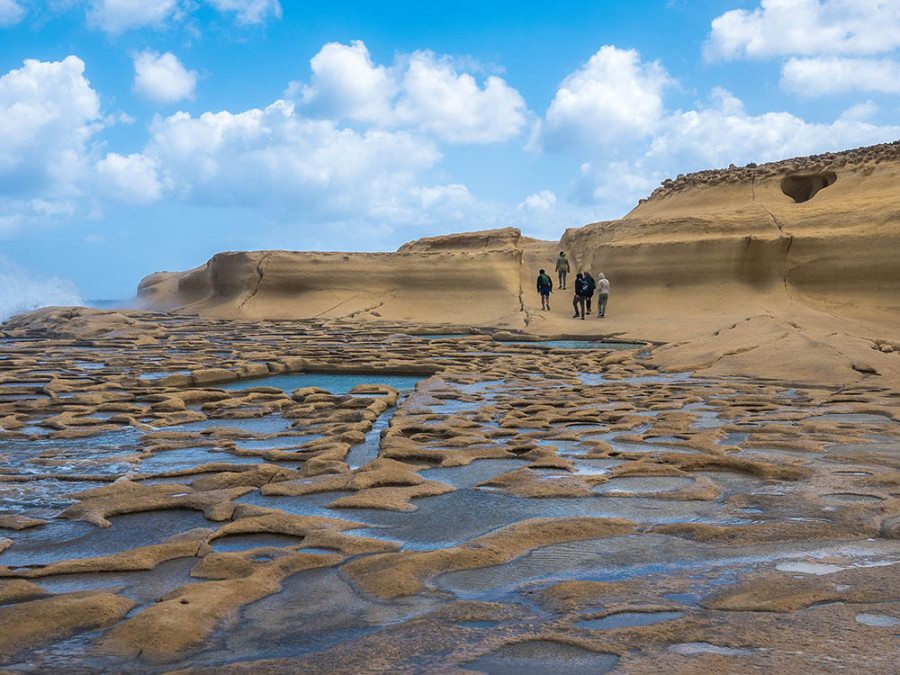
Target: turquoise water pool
<point>336,383</point>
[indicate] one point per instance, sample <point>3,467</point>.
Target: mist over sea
<point>22,290</point>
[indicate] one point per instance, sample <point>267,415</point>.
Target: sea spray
<point>22,290</point>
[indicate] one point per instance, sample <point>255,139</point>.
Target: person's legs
<point>602,299</point>
<point>578,304</point>
<point>562,279</point>
<point>588,303</point>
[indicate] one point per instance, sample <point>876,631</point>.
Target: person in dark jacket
<point>562,268</point>
<point>591,285</point>
<point>580,296</point>
<point>544,287</point>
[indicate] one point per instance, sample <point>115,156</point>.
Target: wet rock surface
<point>205,495</point>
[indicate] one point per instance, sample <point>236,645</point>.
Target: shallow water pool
<point>336,383</point>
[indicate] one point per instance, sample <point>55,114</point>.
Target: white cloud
<point>277,158</point>
<point>44,207</point>
<point>249,11</point>
<point>162,78</point>
<point>612,98</point>
<point>11,12</point>
<point>452,106</point>
<point>724,133</point>
<point>131,179</point>
<point>717,135</point>
<point>48,113</point>
<point>861,111</point>
<point>824,76</point>
<point>615,187</point>
<point>422,91</point>
<point>806,27</point>
<point>541,201</point>
<point>430,205</point>
<point>346,84</point>
<point>118,16</point>
<point>17,214</point>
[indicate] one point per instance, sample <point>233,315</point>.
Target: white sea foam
<point>22,290</point>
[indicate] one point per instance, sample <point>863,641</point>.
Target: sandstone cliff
<point>822,230</point>
<point>788,269</point>
<point>472,278</point>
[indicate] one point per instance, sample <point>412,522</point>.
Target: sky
<point>146,135</point>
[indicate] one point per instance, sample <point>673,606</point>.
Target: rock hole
<point>803,188</point>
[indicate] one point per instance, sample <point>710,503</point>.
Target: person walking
<point>544,288</point>
<point>580,296</point>
<point>562,269</point>
<point>602,295</point>
<point>590,285</point>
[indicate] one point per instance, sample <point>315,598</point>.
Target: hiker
<point>562,268</point>
<point>602,295</point>
<point>580,296</point>
<point>544,287</point>
<point>591,285</point>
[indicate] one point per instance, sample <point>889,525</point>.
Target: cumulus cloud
<point>274,158</point>
<point>347,84</point>
<point>614,97</point>
<point>131,179</point>
<point>718,134</point>
<point>861,111</point>
<point>451,105</point>
<point>541,201</point>
<point>824,76</point>
<point>422,91</point>
<point>162,78</point>
<point>806,27</point>
<point>118,16</point>
<point>723,132</point>
<point>48,113</point>
<point>11,12</point>
<point>278,158</point>
<point>249,11</point>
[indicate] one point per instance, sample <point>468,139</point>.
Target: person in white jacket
<point>602,295</point>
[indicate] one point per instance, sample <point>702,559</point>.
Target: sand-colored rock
<point>403,285</point>
<point>393,575</point>
<point>188,615</point>
<point>40,621</point>
<point>727,266</point>
<point>750,438</point>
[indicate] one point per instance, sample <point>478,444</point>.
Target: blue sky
<point>146,135</point>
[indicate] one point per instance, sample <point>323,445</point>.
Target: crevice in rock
<point>325,311</point>
<point>259,274</point>
<point>787,252</point>
<point>521,272</point>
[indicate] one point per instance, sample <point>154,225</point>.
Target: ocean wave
<point>22,290</point>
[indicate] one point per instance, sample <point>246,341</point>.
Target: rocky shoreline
<point>509,500</point>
